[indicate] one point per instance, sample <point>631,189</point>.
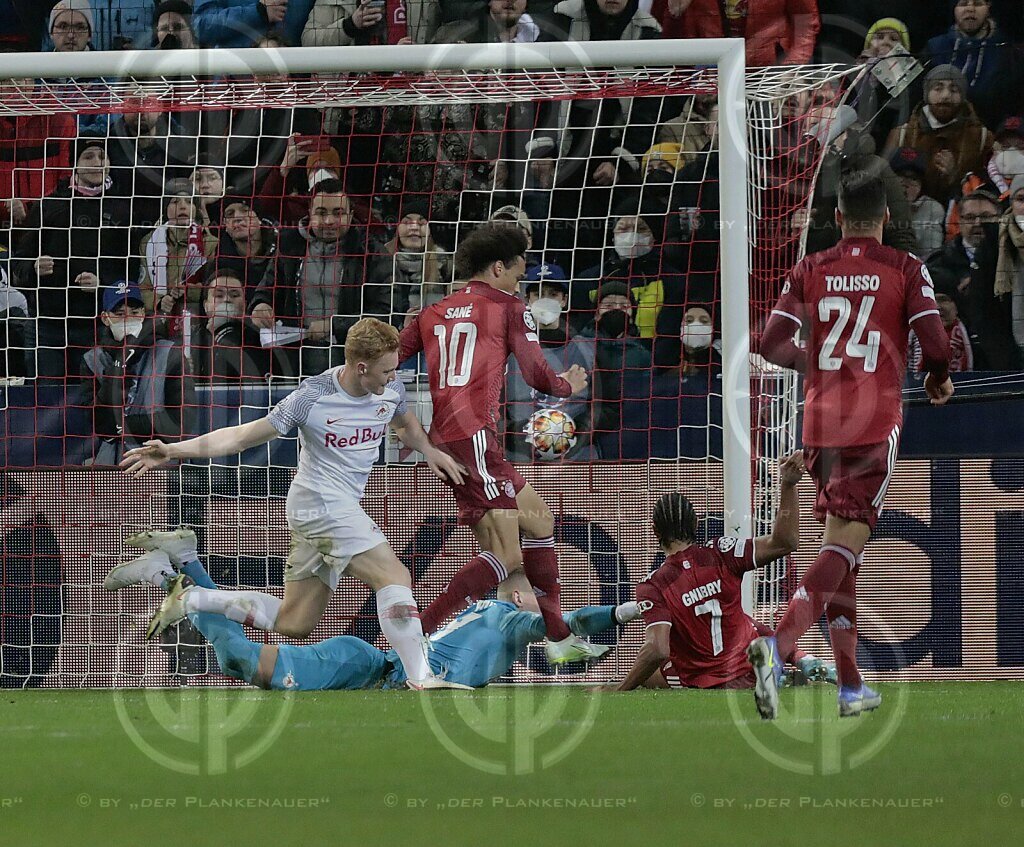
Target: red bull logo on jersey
<point>359,436</point>
<point>702,591</point>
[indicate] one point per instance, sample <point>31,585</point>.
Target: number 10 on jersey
<point>453,370</point>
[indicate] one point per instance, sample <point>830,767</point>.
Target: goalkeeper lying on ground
<point>476,647</point>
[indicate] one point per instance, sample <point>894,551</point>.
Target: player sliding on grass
<point>342,415</point>
<point>860,300</point>
<point>467,339</point>
<point>697,631</point>
<point>479,645</point>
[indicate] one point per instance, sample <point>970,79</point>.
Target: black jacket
<point>986,317</point>
<point>361,277</point>
<point>81,234</point>
<point>114,383</point>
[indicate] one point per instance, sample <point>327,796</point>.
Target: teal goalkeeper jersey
<point>484,641</point>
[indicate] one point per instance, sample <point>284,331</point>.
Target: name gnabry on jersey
<point>702,592</point>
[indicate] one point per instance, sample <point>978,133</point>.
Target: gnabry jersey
<point>339,435</point>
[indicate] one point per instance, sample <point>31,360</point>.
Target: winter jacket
<point>313,280</point>
<point>991,65</point>
<point>967,138</point>
<point>232,353</point>
<point>250,269</point>
<point>987,317</point>
<point>82,235</point>
<point>480,29</point>
<point>35,155</point>
<point>419,279</point>
<point>652,285</point>
<point>239,23</point>
<point>177,245</point>
<point>778,32</point>
<point>330,24</point>
<point>618,361</point>
<point>137,391</point>
<point>596,129</point>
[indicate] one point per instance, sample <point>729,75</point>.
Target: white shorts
<point>325,538</point>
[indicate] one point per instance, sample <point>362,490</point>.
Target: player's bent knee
<point>294,628</point>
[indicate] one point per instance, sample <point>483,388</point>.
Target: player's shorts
<point>677,679</point>
<point>493,482</point>
<point>851,481</point>
<point>325,538</point>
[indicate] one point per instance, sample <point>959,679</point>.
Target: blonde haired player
<point>342,415</point>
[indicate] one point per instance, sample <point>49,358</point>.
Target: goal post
<point>727,54</point>
<point>766,157</point>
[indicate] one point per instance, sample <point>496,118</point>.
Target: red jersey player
<point>860,300</point>
<point>697,631</point>
<point>467,339</point>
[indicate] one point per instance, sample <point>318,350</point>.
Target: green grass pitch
<point>939,764</point>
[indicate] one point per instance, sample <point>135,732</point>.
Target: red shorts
<point>678,679</point>
<point>493,482</point>
<point>851,481</point>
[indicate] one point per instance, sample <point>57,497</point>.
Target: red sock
<point>541,567</point>
<point>842,629</point>
<point>811,596</point>
<point>473,581</point>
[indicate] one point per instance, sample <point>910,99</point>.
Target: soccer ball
<point>551,433</point>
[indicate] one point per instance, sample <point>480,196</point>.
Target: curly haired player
<point>697,632</point>
<point>467,339</point>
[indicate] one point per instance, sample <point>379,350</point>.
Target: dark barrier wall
<point>940,593</point>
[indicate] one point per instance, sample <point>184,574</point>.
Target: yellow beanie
<point>889,23</point>
<point>666,152</point>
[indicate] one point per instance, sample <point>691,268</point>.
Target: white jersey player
<point>342,415</point>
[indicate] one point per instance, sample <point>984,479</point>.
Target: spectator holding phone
<point>339,23</point>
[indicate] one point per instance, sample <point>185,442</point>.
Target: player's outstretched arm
<point>785,536</point>
<point>408,428</point>
<point>221,442</point>
<point>651,657</point>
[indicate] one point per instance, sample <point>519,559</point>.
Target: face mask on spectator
<point>128,327</point>
<point>697,336</point>
<point>222,313</point>
<point>546,310</point>
<point>630,245</point>
<point>657,176</point>
<point>612,324</point>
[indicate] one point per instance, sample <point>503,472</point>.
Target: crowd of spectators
<point>145,253</point>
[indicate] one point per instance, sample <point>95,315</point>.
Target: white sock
<point>252,608</point>
<point>626,612</point>
<point>400,623</point>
